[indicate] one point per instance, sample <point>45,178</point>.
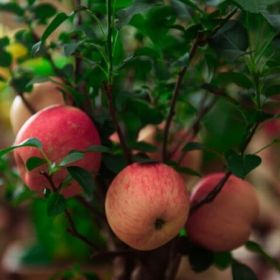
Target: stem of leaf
<point>109,40</point>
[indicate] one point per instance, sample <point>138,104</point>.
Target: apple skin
<point>43,95</point>
<point>226,222</point>
<point>60,129</point>
<point>141,197</point>
<point>152,134</point>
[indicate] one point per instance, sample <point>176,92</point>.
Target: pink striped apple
<point>60,129</point>
<point>146,205</point>
<point>226,222</point>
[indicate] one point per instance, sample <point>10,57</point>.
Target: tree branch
<point>126,151</point>
<point>72,227</point>
<point>175,96</point>
<point>212,195</point>
<point>27,104</point>
<point>73,231</point>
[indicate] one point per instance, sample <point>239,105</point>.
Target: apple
<point>146,205</point>
<point>153,135</point>
<point>177,140</point>
<point>60,129</point>
<point>42,95</point>
<point>226,222</point>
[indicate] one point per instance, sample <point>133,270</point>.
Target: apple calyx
<point>159,223</point>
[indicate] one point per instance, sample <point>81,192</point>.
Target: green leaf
<point>98,149</point>
<point>34,162</point>
<point>242,272</point>
<point>271,90</point>
<point>5,58</point>
<point>70,158</point>
<point>200,259</point>
<point>256,248</point>
<point>56,204</point>
<point>125,15</point>
<point>192,5</point>
<point>71,48</point>
<point>4,42</point>
<point>222,260</point>
<point>241,165</point>
<point>183,60</point>
<point>31,142</point>
<point>43,11</point>
<point>187,171</point>
<point>12,8</point>
<point>114,163</point>
<point>83,177</point>
<point>191,146</point>
<point>231,40</point>
<point>22,83</point>
<point>54,24</point>
<point>238,78</point>
<point>255,6</point>
<point>143,147</point>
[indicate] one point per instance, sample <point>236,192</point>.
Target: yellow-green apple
<point>146,205</point>
<point>60,129</point>
<point>226,222</point>
<point>43,94</point>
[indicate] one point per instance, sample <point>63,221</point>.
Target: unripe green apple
<point>60,129</point>
<point>226,222</point>
<point>146,205</point>
<point>43,95</point>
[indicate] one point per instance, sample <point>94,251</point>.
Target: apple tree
<point>134,126</point>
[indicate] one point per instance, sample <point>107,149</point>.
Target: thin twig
<point>212,195</point>
<point>219,92</point>
<point>224,21</point>
<point>200,40</point>
<point>73,231</point>
<point>72,227</point>
<point>78,61</point>
<point>27,104</point>
<point>109,40</point>
<point>112,109</point>
<point>195,127</point>
<point>175,97</point>
<point>50,181</point>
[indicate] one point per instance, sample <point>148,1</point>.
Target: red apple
<point>146,205</point>
<point>226,222</point>
<point>43,95</point>
<point>60,129</point>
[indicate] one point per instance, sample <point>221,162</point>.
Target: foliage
<point>124,63</point>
